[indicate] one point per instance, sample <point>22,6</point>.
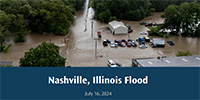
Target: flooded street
<point>80,48</point>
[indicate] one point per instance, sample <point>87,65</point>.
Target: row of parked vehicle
<point>121,43</point>
<point>148,24</point>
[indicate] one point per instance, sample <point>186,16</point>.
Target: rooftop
<point>116,24</point>
<point>3,63</point>
<point>184,61</point>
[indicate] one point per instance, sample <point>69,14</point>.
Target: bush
<point>2,48</point>
<point>112,19</point>
<point>7,48</point>
<point>20,38</point>
<point>183,53</point>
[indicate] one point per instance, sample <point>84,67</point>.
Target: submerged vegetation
<point>183,53</point>
<point>42,16</point>
<point>129,9</point>
<point>121,9</point>
<point>180,20</point>
<point>45,55</point>
<point>181,16</point>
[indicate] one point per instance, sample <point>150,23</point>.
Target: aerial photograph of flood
<point>99,33</point>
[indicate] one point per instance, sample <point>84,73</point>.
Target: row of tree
<point>42,16</point>
<point>183,19</point>
<point>161,5</point>
<point>107,10</point>
<point>121,9</point>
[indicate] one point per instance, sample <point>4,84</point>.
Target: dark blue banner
<point>100,83</point>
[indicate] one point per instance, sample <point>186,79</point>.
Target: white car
<point>111,63</point>
<point>112,44</point>
<point>143,46</point>
<point>143,33</point>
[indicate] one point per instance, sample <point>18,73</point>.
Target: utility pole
<point>128,35</point>
<point>95,47</point>
<point>92,29</point>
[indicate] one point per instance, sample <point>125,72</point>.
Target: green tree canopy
<point>121,9</point>
<point>183,19</point>
<point>45,55</point>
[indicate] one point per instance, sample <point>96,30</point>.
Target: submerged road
<point>80,48</point>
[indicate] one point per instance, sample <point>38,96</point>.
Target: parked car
<point>119,65</point>
<point>151,42</point>
<point>112,44</point>
<point>170,43</point>
<point>116,41</point>
<point>109,41</point>
<point>123,40</point>
<point>143,33</point>
<point>141,41</point>
<point>122,44</point>
<point>143,46</point>
<point>129,31</point>
<point>130,40</point>
<point>134,44</point>
<point>149,24</point>
<point>111,63</point>
<point>143,23</point>
<point>105,43</point>
<point>128,44</point>
<point>146,39</point>
<point>116,45</point>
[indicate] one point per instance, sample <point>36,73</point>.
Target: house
<point>183,61</point>
<point>117,27</point>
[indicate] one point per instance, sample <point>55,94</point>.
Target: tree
<point>45,55</point>
<point>183,19</point>
<point>104,16</point>
<point>112,19</point>
<point>122,9</point>
<point>183,53</point>
<point>172,18</point>
<point>52,16</point>
<point>154,30</point>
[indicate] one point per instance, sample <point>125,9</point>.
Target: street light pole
<point>92,29</point>
<point>95,47</point>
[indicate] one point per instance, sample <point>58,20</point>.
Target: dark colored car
<point>147,39</point>
<point>130,31</point>
<point>116,41</point>
<point>149,24</point>
<point>124,40</point>
<point>105,43</point>
<point>134,44</point>
<point>119,65</point>
<point>170,43</point>
<point>109,41</point>
<point>130,40</point>
<point>143,23</point>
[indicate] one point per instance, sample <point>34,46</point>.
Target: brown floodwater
<point>79,49</point>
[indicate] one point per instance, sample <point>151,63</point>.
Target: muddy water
<point>32,40</point>
<point>80,47</point>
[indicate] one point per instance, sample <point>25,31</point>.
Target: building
<point>184,61</point>
<point>156,42</point>
<point>117,27</point>
<point>5,63</point>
